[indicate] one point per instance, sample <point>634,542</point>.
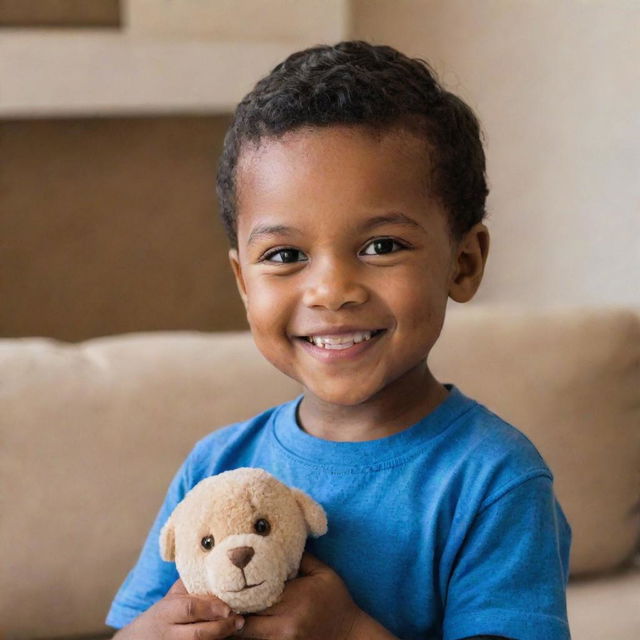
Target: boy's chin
<point>341,397</point>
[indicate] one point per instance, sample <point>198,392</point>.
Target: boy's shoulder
<point>489,444</point>
<point>512,439</point>
<point>225,446</point>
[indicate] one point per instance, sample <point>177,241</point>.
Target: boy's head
<point>352,189</point>
<point>378,88</point>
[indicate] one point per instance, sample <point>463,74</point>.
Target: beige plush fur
<point>246,566</point>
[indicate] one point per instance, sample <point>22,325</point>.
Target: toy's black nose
<point>241,556</point>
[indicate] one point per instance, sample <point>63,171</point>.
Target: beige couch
<point>91,433</point>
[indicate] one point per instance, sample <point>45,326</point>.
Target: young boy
<point>353,191</point>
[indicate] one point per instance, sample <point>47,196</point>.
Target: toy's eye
<point>207,543</point>
<point>262,527</point>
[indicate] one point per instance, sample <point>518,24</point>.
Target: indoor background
<point>112,115</point>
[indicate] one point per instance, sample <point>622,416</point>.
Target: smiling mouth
<point>345,341</point>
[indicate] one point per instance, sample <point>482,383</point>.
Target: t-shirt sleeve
<point>151,577</point>
<point>511,572</point>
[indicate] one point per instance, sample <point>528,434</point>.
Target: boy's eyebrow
<point>269,230</point>
<point>393,217</point>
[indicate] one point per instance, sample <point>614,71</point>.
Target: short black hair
<point>358,83</point>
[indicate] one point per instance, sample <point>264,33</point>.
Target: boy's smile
<point>345,264</point>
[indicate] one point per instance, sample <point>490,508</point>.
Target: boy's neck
<point>394,409</point>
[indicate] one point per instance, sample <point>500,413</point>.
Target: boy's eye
<point>380,246</point>
<point>286,255</point>
<point>377,247</point>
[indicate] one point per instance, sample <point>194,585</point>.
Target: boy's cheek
<point>269,309</point>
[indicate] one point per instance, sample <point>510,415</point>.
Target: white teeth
<point>340,342</point>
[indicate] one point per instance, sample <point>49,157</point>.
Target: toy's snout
<point>241,556</point>
<point>244,569</point>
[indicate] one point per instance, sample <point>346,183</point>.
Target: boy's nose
<point>333,287</point>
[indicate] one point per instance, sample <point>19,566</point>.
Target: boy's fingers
<point>188,609</point>
<point>207,630</point>
<point>177,588</point>
<point>310,564</point>
<point>259,627</point>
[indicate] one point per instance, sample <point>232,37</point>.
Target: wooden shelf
<point>99,72</point>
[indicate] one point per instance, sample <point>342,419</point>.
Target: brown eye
<point>207,543</point>
<point>262,527</point>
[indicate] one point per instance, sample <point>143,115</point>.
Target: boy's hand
<point>181,616</point>
<point>314,606</point>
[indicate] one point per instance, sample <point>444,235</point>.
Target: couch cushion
<point>91,435</point>
<point>570,380</point>
<point>606,607</point>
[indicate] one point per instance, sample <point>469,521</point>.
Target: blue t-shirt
<point>445,530</point>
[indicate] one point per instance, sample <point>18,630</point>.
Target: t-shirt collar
<point>382,451</point>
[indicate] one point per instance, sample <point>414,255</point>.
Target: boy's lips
<point>339,345</point>
<point>337,331</point>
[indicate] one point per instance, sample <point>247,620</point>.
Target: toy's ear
<point>168,540</point>
<point>314,514</point>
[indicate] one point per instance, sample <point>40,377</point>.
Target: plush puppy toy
<point>240,535</point>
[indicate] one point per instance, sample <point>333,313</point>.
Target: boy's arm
<point>367,628</point>
<point>511,567</point>
<point>316,606</point>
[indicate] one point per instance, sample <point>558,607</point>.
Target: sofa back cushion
<point>570,380</point>
<point>91,435</point>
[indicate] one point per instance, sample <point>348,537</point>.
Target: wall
<point>112,115</point>
<point>555,83</point>
<point>59,13</point>
<point>109,225</point>
<point>556,86</point>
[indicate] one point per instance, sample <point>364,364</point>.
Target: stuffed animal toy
<point>240,535</point>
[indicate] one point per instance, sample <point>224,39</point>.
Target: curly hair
<point>357,83</point>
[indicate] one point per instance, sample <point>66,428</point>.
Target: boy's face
<point>337,236</point>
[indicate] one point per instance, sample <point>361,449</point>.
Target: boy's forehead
<point>350,166</point>
<point>336,142</point>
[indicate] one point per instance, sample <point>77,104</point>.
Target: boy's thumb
<point>309,564</point>
<point>178,588</point>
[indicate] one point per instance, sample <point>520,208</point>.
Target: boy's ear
<point>237,272</point>
<point>468,264</point>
